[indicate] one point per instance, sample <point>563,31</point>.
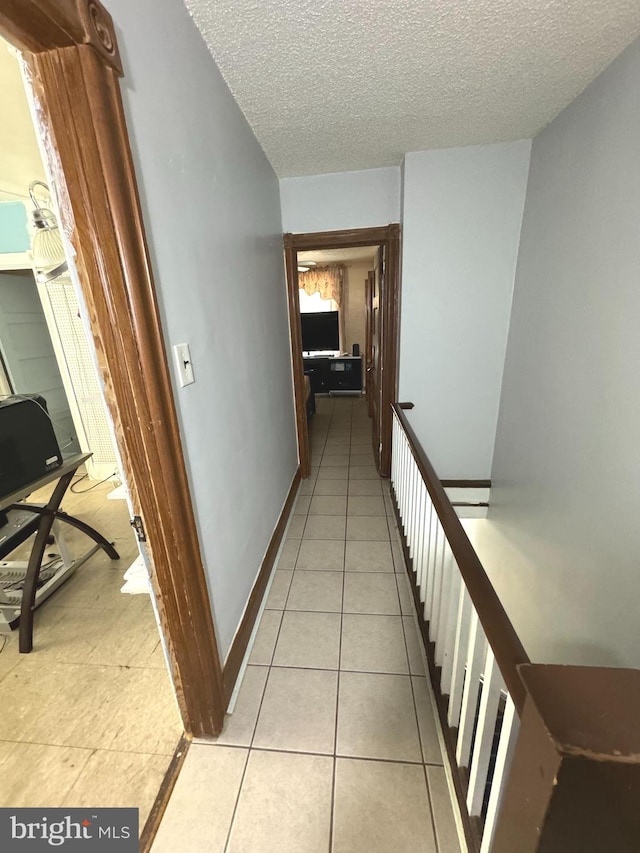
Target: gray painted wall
<point>462,212</point>
<point>563,542</point>
<point>28,353</point>
<point>341,200</point>
<point>212,211</point>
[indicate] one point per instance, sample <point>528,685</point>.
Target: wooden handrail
<point>503,639</point>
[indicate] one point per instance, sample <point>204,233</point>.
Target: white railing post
<point>492,686</point>
<point>506,748</point>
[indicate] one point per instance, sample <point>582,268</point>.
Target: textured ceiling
<point>335,85</point>
<point>356,255</point>
<point>20,161</point>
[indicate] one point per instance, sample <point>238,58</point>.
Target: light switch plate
<point>183,364</point>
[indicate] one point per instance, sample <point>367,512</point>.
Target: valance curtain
<point>329,283</point>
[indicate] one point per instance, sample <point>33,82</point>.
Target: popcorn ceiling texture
<point>338,85</point>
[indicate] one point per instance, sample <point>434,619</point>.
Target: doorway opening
<point>71,65</point>
<point>377,355</point>
<point>81,654</point>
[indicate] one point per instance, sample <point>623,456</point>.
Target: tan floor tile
<point>371,592</point>
<point>302,505</point>
<point>330,487</point>
<point>377,718</point>
<point>279,591</point>
<point>288,554</point>
<point>368,556</point>
<point>446,832</point>
<point>335,460</point>
<point>405,594</point>
<point>201,807</point>
<point>366,505</point>
<point>265,641</point>
<point>239,726</point>
<point>323,554</point>
<point>324,527</point>
<point>373,644</point>
<point>333,473</point>
<point>309,640</point>
<point>315,590</point>
<point>328,505</point>
<point>362,458</point>
<point>119,780</point>
<point>414,646</point>
<point>37,776</point>
<point>365,487</point>
<point>284,805</point>
<point>307,486</point>
<point>337,448</point>
<point>368,527</point>
<point>398,559</point>
<point>431,751</point>
<point>296,526</point>
<point>363,472</point>
<point>381,807</point>
<point>298,711</point>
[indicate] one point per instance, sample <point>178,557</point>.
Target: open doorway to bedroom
<point>89,715</point>
<point>360,355</point>
<point>333,317</point>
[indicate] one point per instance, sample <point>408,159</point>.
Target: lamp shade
<point>47,249</point>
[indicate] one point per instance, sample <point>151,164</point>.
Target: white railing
<point>474,647</point>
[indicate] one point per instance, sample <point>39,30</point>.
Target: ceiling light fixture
<point>47,250</point>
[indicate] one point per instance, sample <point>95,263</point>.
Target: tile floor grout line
<point>348,756</point>
<point>431,811</point>
<point>237,800</point>
<point>335,729</point>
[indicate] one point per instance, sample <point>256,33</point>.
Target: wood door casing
<point>368,295</point>
<point>388,237</point>
<point>375,373</point>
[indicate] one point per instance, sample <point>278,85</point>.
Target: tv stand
<point>335,375</point>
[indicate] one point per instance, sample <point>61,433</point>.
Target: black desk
<point>23,520</point>
<point>340,375</point>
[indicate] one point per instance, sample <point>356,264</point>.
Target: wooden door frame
<point>389,237</point>
<point>72,61</point>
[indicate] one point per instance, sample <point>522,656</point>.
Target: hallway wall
<point>564,518</point>
<point>462,211</point>
<point>339,201</point>
<point>212,210</point>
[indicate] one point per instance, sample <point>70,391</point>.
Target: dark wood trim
<point>71,59</point>
<point>466,484</point>
<point>38,25</point>
<point>471,830</point>
<point>390,343</point>
<point>152,823</point>
<point>295,337</point>
<point>406,406</point>
<point>500,633</point>
<point>342,239</point>
<point>241,639</point>
<point>469,503</point>
<point>388,237</point>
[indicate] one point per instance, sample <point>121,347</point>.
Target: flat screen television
<point>320,331</point>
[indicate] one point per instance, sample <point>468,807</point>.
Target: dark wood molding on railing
<point>406,406</point>
<point>503,639</point>
<point>466,484</point>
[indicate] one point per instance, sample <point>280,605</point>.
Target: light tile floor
<point>332,745</point>
<point>89,717</point>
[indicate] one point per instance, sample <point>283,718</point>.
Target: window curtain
<point>328,281</point>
